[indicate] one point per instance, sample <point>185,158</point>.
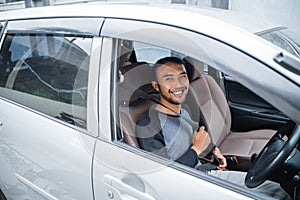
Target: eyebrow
<point>167,75</point>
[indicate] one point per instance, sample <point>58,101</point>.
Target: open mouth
<point>178,93</point>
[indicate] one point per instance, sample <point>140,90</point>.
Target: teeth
<point>179,92</point>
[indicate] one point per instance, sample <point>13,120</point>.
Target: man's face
<point>172,83</point>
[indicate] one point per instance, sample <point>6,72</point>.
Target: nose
<point>179,82</point>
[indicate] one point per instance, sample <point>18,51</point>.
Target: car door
<point>47,131</point>
<point>124,172</point>
<point>121,171</point>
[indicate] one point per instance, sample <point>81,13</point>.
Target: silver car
<point>74,80</point>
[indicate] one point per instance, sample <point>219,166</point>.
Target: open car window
<point>206,98</point>
<point>206,104</point>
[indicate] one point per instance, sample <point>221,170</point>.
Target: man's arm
<point>151,139</point>
<point>156,145</point>
<point>149,135</point>
<point>153,143</point>
<point>189,158</point>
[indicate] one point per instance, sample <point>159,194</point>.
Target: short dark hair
<point>165,60</point>
<point>170,59</point>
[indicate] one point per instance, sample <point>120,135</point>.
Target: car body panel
<point>33,168</point>
<point>143,179</point>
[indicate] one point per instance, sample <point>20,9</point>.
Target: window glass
<point>134,51</point>
<point>47,69</point>
<point>149,53</point>
<point>285,40</point>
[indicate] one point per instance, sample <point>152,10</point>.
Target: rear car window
<point>47,72</point>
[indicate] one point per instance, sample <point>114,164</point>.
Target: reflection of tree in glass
<point>53,79</point>
<point>50,66</point>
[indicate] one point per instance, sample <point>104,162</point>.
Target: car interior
<point>205,99</point>
<point>213,104</point>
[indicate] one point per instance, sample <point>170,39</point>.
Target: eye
<point>169,78</point>
<point>184,76</point>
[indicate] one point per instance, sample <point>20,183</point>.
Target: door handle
<point>125,188</point>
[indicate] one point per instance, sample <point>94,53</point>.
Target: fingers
<point>201,129</point>
<point>201,133</point>
<point>222,159</point>
<point>201,140</point>
<point>220,168</point>
<point>222,164</point>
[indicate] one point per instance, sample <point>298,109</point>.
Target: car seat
<point>213,104</point>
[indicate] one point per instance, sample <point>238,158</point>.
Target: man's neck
<point>168,108</point>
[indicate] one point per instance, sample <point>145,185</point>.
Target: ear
<point>155,85</point>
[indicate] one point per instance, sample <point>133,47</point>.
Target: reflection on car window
<point>47,69</point>
<point>284,40</point>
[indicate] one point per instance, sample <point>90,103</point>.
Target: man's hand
<point>222,159</point>
<point>200,141</point>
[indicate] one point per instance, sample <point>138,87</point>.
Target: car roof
<point>138,11</point>
<point>241,20</point>
<point>187,16</point>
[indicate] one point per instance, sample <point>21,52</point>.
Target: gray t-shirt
<point>177,132</point>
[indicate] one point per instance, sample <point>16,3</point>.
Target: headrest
<point>194,68</point>
<point>137,82</point>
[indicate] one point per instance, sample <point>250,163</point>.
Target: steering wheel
<point>273,155</point>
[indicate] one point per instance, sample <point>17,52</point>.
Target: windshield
<point>283,38</point>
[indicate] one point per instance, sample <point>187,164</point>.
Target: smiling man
<point>167,129</point>
<point>172,84</point>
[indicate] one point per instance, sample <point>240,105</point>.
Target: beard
<point>169,99</point>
